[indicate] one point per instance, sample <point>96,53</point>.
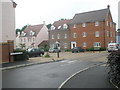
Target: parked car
<point>35,52</point>
<point>113,47</point>
<point>77,49</point>
<point>53,50</point>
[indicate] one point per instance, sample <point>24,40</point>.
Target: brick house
<point>33,36</point>
<point>7,31</point>
<point>59,34</point>
<point>92,29</point>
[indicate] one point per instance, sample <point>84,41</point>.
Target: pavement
<point>95,77</point>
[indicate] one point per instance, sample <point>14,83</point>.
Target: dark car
<point>35,52</point>
<point>77,49</point>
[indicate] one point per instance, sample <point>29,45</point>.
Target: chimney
<point>108,6</point>
<point>44,23</point>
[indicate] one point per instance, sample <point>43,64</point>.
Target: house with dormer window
<point>59,35</point>
<point>33,36</point>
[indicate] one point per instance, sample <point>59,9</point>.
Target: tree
<point>49,25</point>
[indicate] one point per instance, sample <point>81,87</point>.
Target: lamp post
<point>57,48</point>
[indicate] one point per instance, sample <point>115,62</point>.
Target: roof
<point>34,28</point>
<point>56,24</point>
<point>92,16</point>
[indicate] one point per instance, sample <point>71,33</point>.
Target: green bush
<point>102,48</point>
<point>90,49</point>
<point>68,50</point>
<point>20,57</point>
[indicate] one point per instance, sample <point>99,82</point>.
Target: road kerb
<point>76,74</point>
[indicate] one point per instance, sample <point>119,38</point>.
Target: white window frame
<point>97,23</point>
<point>107,33</point>
<point>110,24</point>
<point>58,36</point>
<point>84,34</point>
<point>65,26</point>
<point>97,34</point>
<point>107,23</point>
<point>74,25</point>
<point>84,44</point>
<point>97,44</point>
<point>52,27</point>
<point>74,35</point>
<point>52,36</point>
<point>83,24</point>
<point>65,36</point>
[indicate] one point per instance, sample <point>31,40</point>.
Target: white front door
<point>73,44</point>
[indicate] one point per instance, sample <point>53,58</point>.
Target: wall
<point>8,21</point>
<point>42,35</point>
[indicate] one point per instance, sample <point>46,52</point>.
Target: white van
<point>113,47</point>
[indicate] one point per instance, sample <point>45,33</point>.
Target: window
<point>23,33</point>
<point>96,23</point>
<point>97,34</point>
<point>84,34</point>
<point>65,26</point>
<point>59,27</point>
<point>52,28</point>
<point>107,23</point>
<point>52,36</point>
<point>107,33</point>
<point>83,24</point>
<point>24,39</point>
<point>84,44</point>
<point>74,35</point>
<point>32,33</point>
<point>33,39</point>
<point>110,24</point>
<point>65,36</point>
<point>58,36</point>
<point>74,26</point>
<point>111,34</point>
<point>97,44</point>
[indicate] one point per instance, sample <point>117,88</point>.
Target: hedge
<point>21,57</point>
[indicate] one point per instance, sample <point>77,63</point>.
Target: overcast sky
<point>36,11</point>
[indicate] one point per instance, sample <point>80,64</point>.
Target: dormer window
<point>96,23</point>
<point>59,27</point>
<point>32,33</point>
<point>23,33</point>
<point>52,28</point>
<point>65,26</point>
<point>83,24</point>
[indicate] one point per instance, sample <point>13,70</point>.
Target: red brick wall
<point>6,49</point>
<point>90,38</point>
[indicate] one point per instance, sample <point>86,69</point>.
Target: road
<point>49,75</point>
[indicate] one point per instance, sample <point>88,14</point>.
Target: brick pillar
<point>11,49</point>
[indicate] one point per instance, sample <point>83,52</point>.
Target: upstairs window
<point>107,33</point>
<point>97,34</point>
<point>59,27</point>
<point>96,23</point>
<point>23,33</point>
<point>52,27</point>
<point>74,26</point>
<point>58,36</point>
<point>52,36</point>
<point>84,34</point>
<point>65,36</point>
<point>74,35</point>
<point>65,26</point>
<point>83,24</point>
<point>107,23</point>
<point>110,24</point>
<point>32,33</point>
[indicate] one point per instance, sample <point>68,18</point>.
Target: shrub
<point>47,55</point>
<point>90,49</point>
<point>102,48</point>
<point>68,50</point>
<point>20,57</point>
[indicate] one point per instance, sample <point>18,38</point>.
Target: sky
<point>34,12</point>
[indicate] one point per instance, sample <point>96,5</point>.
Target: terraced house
<point>59,35</point>
<point>92,29</point>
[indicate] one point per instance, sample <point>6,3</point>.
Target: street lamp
<point>57,48</point>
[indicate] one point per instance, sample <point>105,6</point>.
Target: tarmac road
<point>49,75</point>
